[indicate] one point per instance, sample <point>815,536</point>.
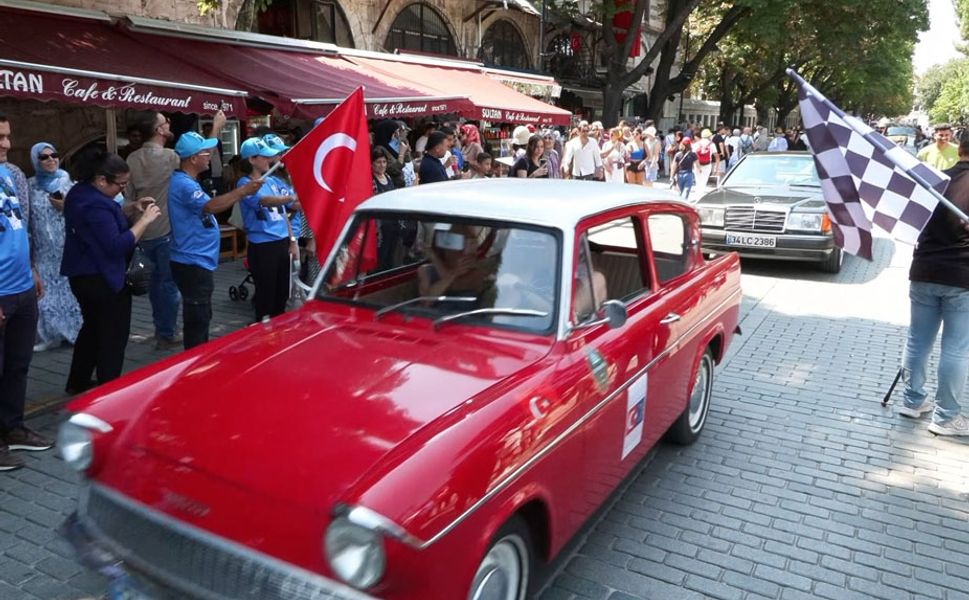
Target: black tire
<point>243,292</point>
<point>493,580</point>
<point>233,293</point>
<point>832,264</point>
<point>690,423</point>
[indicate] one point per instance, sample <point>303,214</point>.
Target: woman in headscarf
<point>390,141</point>
<point>59,316</point>
<point>470,143</point>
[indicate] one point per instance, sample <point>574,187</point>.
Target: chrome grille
<point>195,563</point>
<point>749,218</point>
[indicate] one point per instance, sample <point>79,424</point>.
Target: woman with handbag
<point>97,246</point>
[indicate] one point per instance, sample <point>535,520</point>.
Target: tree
<point>862,64</point>
<point>952,103</point>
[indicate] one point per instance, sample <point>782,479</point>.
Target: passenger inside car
<point>455,268</point>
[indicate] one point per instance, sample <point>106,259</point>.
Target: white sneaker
<point>958,425</point>
<point>916,412</point>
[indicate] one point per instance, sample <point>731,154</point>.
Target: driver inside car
<point>456,268</point>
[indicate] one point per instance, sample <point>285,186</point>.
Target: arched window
<point>503,46</point>
<point>418,27</point>
<point>318,20</point>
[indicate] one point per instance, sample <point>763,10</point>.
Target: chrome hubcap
<point>700,395</point>
<point>502,573</point>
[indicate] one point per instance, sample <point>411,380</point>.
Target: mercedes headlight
<point>76,445</point>
<point>355,553</point>
<point>710,216</point>
<point>805,221</point>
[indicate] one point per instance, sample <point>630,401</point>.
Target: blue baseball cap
<point>191,143</point>
<point>256,147</point>
<point>275,142</point>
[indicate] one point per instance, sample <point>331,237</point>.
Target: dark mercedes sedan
<point>770,206</point>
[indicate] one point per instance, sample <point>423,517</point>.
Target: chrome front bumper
<point>120,537</point>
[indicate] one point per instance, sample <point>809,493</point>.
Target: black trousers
<point>18,330</point>
<point>269,265</point>
<point>104,331</point>
<point>196,285</point>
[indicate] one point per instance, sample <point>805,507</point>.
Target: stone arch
<point>397,7</point>
<point>505,31</point>
<point>243,14</point>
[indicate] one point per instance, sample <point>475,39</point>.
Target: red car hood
<point>301,408</point>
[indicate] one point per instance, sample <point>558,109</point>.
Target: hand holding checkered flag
<point>865,178</point>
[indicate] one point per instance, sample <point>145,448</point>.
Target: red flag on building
<point>330,169</point>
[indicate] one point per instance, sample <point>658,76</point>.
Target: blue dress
<point>59,316</point>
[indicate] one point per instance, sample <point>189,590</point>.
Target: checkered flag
<point>865,178</point>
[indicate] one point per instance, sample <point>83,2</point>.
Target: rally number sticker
<point>635,415</point>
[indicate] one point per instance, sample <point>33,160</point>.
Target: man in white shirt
<point>779,143</point>
<point>582,159</point>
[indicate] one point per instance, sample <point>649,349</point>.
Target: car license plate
<point>747,239</point>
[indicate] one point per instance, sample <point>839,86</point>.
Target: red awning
<point>490,99</point>
<point>89,61</point>
<point>305,84</point>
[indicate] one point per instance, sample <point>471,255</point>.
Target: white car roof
<point>552,202</point>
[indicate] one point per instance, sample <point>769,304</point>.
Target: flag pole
<point>272,169</point>
<point>875,141</point>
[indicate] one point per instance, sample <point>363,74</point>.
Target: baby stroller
<point>241,292</point>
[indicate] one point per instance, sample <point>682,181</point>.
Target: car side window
<point>616,253</point>
<point>669,241</point>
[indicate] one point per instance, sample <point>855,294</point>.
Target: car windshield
<point>449,271</point>
<point>773,169</point>
<point>901,131</point>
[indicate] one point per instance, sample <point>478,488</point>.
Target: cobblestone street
<point>802,485</point>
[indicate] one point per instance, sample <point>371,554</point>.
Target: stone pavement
<point>801,486</point>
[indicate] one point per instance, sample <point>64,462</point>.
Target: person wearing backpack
<point>707,158</point>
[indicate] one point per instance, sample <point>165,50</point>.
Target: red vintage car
<point>481,364</point>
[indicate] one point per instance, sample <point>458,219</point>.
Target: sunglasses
<point>48,156</point>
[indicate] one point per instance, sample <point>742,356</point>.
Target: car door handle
<point>669,318</point>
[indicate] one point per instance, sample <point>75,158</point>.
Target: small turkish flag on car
<point>330,169</point>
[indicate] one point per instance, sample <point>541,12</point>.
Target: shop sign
<point>106,93</point>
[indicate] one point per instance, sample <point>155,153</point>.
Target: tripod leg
<point>891,389</point>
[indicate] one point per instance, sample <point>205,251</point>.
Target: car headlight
<point>805,221</point>
<point>710,216</point>
<point>355,553</point>
<point>76,445</point>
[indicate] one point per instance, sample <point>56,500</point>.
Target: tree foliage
<point>862,64</point>
<point>950,103</point>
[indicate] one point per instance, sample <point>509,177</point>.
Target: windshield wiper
<point>512,312</point>
<point>394,307</point>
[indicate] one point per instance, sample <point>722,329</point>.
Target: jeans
<point>196,285</point>
<point>933,305</point>
<point>101,344</point>
<point>684,181</point>
<point>163,292</point>
<point>17,331</point>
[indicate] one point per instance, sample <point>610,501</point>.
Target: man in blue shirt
<point>431,168</point>
<point>19,290</point>
<point>195,233</point>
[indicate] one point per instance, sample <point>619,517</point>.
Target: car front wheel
<point>689,425</point>
<point>832,264</point>
<point>503,573</point>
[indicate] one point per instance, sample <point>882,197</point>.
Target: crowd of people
<point>70,237</point>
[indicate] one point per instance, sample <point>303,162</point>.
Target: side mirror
<point>612,313</point>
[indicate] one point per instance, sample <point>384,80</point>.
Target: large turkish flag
<point>330,169</point>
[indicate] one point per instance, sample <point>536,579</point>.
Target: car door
<point>612,366</point>
<point>673,242</point>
